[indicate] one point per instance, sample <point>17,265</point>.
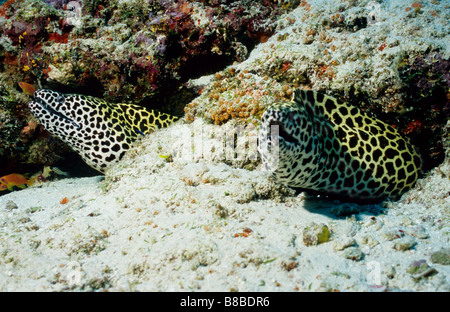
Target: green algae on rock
<point>442,256</point>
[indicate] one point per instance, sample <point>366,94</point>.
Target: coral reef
<point>240,96</point>
<point>134,51</point>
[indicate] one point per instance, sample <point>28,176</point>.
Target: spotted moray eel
<point>99,131</point>
<point>320,144</point>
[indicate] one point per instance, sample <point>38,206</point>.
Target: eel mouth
<point>53,111</point>
<point>282,133</point>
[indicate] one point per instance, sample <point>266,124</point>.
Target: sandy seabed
<point>159,223</point>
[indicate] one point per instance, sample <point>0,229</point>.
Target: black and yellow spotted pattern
<point>318,143</point>
<point>99,131</point>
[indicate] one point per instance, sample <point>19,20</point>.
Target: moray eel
<point>323,145</point>
<point>99,131</point>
